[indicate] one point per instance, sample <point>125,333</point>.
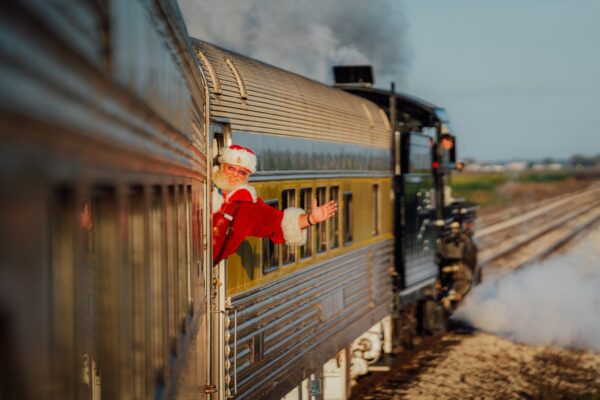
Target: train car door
<point>220,367</point>
<point>417,208</point>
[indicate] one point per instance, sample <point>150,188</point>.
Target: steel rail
<point>537,234</point>
<point>532,214</point>
<point>569,236</point>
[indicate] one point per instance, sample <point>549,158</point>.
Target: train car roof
<point>256,97</point>
<point>426,113</point>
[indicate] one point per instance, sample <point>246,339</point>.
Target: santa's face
<point>228,177</point>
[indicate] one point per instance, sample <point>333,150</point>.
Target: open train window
<point>347,218</point>
<point>270,250</point>
<point>221,133</point>
<point>375,209</point>
<point>305,202</point>
<point>288,199</point>
<point>334,224</point>
<point>321,229</point>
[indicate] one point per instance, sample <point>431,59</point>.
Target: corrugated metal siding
<point>308,316</point>
<point>283,103</point>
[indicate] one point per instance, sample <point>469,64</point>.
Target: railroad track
<point>506,243</point>
<point>528,237</point>
<point>487,221</point>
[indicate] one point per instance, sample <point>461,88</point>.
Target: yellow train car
<point>297,307</point>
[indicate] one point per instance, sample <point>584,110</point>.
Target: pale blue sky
<point>518,78</point>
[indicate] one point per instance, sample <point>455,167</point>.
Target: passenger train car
<point>111,119</point>
<point>104,180</point>
<point>296,307</point>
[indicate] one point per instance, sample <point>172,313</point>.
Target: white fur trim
<point>240,158</point>
<point>217,200</point>
<point>248,188</point>
<point>290,224</point>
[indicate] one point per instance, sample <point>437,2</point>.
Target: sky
<point>519,79</point>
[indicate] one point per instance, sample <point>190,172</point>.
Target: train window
<point>347,218</point>
<point>86,222</point>
<point>270,250</point>
<point>183,255</point>
<point>171,278</point>
<point>305,202</point>
<point>66,284</point>
<point>334,224</point>
<point>138,239</point>
<point>156,271</point>
<point>420,154</point>
<point>321,229</point>
<point>375,209</point>
<point>288,199</point>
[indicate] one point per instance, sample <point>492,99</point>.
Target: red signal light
<point>435,165</point>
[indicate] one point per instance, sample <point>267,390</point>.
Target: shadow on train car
<point>103,212</point>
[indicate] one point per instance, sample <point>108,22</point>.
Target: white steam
<point>556,302</point>
<point>307,37</point>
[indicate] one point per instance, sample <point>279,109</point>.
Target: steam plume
<point>307,37</point>
<point>556,302</point>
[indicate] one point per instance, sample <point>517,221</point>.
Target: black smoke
<point>307,37</point>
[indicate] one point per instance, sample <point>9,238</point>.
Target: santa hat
<point>240,156</point>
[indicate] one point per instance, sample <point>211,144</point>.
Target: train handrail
<point>235,325</point>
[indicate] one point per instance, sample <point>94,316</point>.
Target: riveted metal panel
<point>306,317</point>
<point>282,103</point>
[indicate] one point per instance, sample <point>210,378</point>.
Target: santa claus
<point>238,213</point>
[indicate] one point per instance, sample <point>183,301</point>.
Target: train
<point>111,119</point>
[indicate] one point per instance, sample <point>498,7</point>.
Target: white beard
<point>223,182</point>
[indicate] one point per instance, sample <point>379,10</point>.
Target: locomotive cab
<point>424,154</point>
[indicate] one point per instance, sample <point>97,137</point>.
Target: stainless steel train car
<point>110,120</point>
<point>296,307</point>
<point>103,212</point>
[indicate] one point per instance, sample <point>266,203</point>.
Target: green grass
<point>544,176</point>
<point>485,188</point>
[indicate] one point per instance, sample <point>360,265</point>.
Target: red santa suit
<point>241,214</point>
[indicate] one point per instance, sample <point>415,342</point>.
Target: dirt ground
<point>484,366</point>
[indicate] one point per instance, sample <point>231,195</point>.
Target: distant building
<point>547,167</point>
<point>517,166</point>
<point>556,167</point>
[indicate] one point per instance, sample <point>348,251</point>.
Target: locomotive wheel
<point>431,317</point>
<point>462,280</point>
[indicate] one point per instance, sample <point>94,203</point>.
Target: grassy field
<point>497,189</point>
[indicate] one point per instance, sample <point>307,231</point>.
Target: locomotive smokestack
<point>354,75</point>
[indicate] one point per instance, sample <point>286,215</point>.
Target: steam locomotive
<point>111,120</point>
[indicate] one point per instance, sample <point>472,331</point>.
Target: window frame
<point>348,223</point>
<point>334,222</point>
<point>272,248</point>
<point>289,254</point>
<point>321,246</point>
<point>375,209</point>
<point>308,250</point>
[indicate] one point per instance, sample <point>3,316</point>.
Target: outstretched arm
<point>317,214</point>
